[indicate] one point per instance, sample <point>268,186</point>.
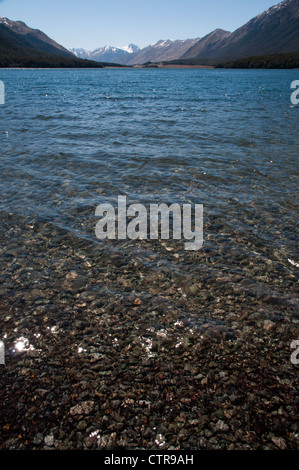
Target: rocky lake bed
<point>105,350</point>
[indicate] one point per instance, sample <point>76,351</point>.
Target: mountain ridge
<point>275,30</point>
<point>130,55</point>
<point>33,38</point>
<point>107,53</point>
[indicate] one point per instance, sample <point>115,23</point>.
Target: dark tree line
<point>272,61</point>
<point>45,61</point>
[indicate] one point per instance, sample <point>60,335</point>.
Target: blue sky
<point>94,23</point>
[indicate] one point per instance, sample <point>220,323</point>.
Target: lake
<point>73,139</point>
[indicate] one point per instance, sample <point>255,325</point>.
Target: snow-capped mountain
<point>274,9</point>
<point>131,48</point>
<point>80,53</point>
<point>163,50</point>
<point>168,49</point>
<point>107,53</point>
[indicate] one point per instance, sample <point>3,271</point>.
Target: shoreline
<point>173,66</point>
<point>133,67</point>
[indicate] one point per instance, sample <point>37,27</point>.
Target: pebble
<point>38,439</point>
<point>82,425</point>
<point>49,440</point>
<point>279,442</point>
<point>84,408</point>
<point>268,325</point>
<point>222,426</point>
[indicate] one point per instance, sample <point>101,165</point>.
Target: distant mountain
<point>108,53</point>
<point>206,44</point>
<point>80,53</point>
<point>130,55</point>
<point>276,30</point>
<point>163,50</point>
